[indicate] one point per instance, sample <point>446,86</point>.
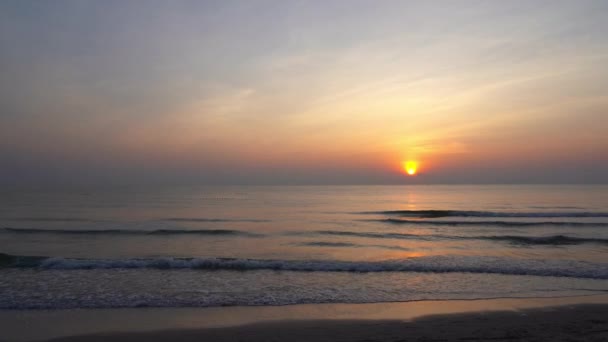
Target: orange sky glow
<point>467,92</point>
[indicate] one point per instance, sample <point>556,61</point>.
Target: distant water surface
<point>276,245</point>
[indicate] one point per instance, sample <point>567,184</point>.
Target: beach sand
<point>583,318</point>
<point>564,323</point>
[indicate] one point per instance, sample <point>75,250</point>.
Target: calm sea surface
<point>219,246</point>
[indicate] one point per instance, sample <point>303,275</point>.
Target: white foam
<point>437,264</point>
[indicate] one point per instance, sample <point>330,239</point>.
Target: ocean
<point>280,245</point>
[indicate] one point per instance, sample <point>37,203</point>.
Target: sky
<point>303,92</point>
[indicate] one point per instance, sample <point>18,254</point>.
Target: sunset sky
<point>303,92</point>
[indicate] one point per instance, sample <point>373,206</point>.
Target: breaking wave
<point>432,264</point>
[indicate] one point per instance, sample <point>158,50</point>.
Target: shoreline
<point>152,323</point>
<point>583,322</point>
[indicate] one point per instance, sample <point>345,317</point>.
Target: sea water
<point>279,245</point>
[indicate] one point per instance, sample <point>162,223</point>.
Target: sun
<point>410,167</point>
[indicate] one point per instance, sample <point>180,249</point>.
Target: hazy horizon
<point>291,92</point>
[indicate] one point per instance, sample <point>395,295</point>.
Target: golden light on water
<point>410,167</point>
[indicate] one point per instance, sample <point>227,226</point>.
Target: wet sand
<point>581,317</point>
<point>565,323</point>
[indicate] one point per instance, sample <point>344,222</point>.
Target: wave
<point>514,239</point>
<point>371,235</point>
<point>127,231</point>
<point>52,219</point>
<point>328,244</point>
<point>430,264</point>
<point>169,219</point>
<point>555,207</point>
<point>544,240</point>
<point>466,213</point>
<point>491,223</point>
<point>203,219</point>
<point>347,244</point>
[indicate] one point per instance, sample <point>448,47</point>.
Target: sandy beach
<point>582,318</point>
<point>565,323</point>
